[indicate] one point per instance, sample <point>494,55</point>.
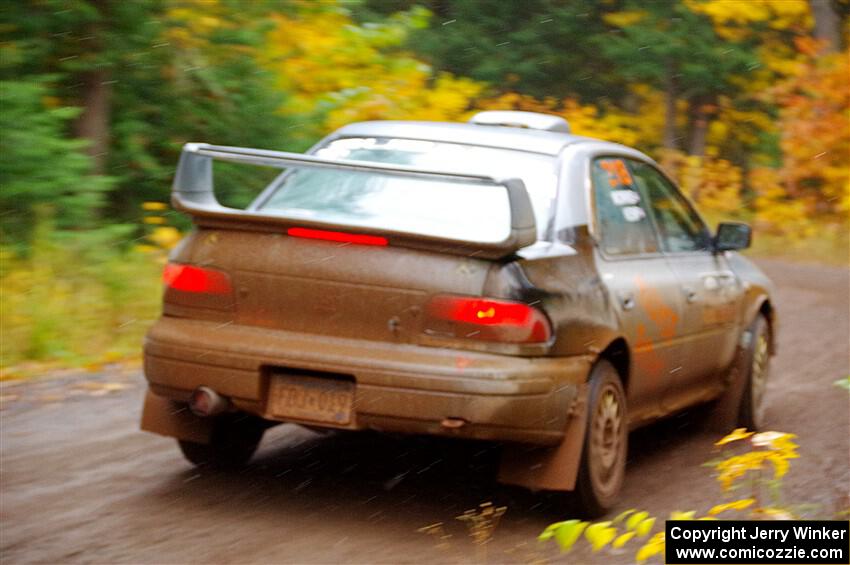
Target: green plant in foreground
<point>80,298</point>
<point>759,453</point>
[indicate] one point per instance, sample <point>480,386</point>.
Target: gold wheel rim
<point>606,438</point>
<point>758,377</point>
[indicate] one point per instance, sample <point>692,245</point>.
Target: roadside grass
<point>75,300</point>
<point>83,299</point>
<point>831,246</point>
<point>813,241</point>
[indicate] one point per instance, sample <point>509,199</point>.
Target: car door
<point>644,290</point>
<point>707,288</point>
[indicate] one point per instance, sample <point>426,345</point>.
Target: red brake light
<point>339,236</point>
<point>489,319</point>
<point>189,278</point>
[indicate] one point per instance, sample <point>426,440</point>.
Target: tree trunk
<point>700,113</point>
<point>670,140</point>
<point>827,24</point>
<point>93,123</point>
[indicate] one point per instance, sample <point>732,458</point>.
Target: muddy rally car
<point>497,280</point>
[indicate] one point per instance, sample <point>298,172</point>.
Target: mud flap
<point>169,418</point>
<point>723,416</point>
<point>548,468</point>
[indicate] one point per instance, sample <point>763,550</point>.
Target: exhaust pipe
<point>206,402</point>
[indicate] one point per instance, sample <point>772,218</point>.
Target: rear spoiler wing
<point>193,192</point>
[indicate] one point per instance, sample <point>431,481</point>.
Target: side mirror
<point>732,236</point>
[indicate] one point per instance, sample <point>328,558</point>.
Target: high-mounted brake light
<point>342,237</point>
<point>488,319</point>
<point>189,278</point>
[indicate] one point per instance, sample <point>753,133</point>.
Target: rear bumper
<point>399,387</point>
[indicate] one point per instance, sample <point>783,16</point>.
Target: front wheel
<point>603,460</point>
<point>742,403</point>
<point>233,441</point>
<point>751,411</point>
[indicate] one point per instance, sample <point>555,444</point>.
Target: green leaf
<point>568,533</point>
<point>550,531</point>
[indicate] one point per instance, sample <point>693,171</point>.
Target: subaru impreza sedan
<point>498,280</point>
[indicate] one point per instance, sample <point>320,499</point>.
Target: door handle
<point>627,300</point>
<point>690,294</point>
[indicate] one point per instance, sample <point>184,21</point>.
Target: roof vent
<point>515,119</point>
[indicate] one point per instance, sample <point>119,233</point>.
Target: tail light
<point>487,319</point>
<point>196,280</point>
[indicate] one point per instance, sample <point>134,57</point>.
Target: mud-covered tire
<point>233,441</point>
<point>603,461</point>
<point>752,407</point>
<point>742,403</point>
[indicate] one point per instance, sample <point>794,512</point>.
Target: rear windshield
<point>438,208</point>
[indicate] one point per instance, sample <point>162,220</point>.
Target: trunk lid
<point>330,288</point>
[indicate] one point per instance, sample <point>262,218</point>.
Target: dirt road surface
<point>80,483</point>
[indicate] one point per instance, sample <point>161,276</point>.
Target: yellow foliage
<point>815,107</point>
<point>654,546</point>
<point>775,211</point>
<point>625,18</point>
<point>644,527</point>
<point>773,447</point>
<point>636,519</point>
<point>736,435</point>
<point>165,237</point>
<point>622,539</point>
<point>735,505</point>
<point>735,19</point>
<point>642,128</point>
<point>332,66</point>
<point>714,183</point>
<point>600,534</point>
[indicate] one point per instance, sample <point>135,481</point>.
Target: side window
<point>679,227</point>
<point>624,225</point>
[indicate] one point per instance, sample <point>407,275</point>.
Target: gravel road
<point>80,483</point>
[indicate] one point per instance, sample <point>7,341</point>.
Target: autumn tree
<point>145,77</point>
<point>338,72</point>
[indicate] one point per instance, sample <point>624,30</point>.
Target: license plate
<point>311,398</point>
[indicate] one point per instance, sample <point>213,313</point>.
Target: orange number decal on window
<point>618,173</point>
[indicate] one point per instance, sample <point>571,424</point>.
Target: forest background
<point>745,102</point>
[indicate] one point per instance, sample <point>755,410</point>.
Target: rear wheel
<point>603,461</point>
<point>233,441</point>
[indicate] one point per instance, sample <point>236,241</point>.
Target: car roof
<point>504,137</point>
